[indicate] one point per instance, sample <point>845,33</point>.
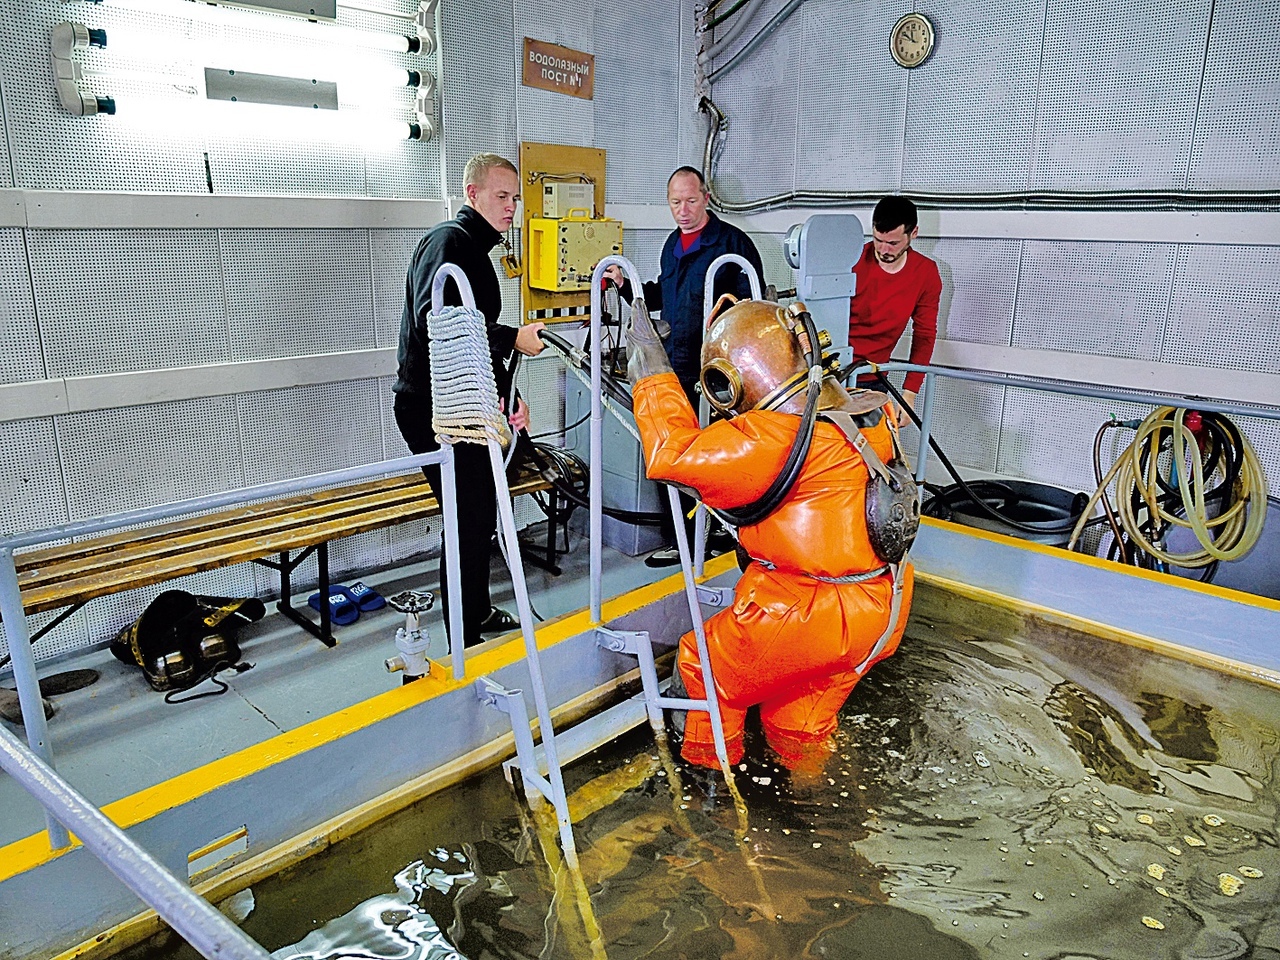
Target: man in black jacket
<point>492,188</point>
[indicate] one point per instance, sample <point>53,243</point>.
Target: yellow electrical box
<point>564,251</point>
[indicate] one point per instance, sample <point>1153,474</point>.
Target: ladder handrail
<point>194,918</point>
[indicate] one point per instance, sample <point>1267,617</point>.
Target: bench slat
<point>133,554</point>
<point>110,542</point>
<point>114,577</point>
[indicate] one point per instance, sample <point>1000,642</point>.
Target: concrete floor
<point>118,736</point>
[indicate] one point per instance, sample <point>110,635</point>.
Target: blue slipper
<point>366,598</point>
<point>342,609</point>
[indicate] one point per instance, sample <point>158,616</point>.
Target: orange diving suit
<point>796,640</point>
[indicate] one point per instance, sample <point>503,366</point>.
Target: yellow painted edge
<point>288,853</point>
<point>218,844</point>
<point>1213,661</point>
<point>33,851</point>
<point>1111,566</point>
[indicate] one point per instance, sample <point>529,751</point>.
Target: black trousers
<point>477,511</point>
<point>687,503</point>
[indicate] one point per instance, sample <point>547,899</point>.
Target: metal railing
<point>1072,388</point>
<point>193,917</point>
<point>13,615</point>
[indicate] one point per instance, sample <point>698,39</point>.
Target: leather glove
<point>645,354</point>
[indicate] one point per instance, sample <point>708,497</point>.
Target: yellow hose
<point>1228,536</point>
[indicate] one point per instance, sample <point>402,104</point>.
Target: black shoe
<point>720,541</point>
<point>499,621</point>
<point>666,557</point>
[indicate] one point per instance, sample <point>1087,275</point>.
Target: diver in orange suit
<point>817,606</point>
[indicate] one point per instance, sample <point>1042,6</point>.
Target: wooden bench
<point>279,534</point>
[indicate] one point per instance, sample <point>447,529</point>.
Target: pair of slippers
<point>347,603</point>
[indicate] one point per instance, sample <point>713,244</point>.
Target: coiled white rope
<point>464,393</point>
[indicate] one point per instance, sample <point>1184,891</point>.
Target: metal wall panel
<point>6,168</point>
<point>763,98</point>
<point>638,99</point>
<point>1223,308</point>
<point>545,116</point>
<point>1265,437</point>
<point>776,269</point>
<point>1116,112</point>
<point>478,87</point>
<point>1237,143</point>
<point>979,288</point>
<point>296,292</point>
<point>1111,299</point>
<point>390,252</point>
<point>644,249</point>
<point>971,107</point>
<point>31,493</point>
<point>113,300</point>
<point>691,124</point>
<point>71,634</point>
<point>966,424</point>
<point>22,358</point>
<point>1050,438</point>
<point>852,99</point>
<point>308,430</point>
<point>131,457</point>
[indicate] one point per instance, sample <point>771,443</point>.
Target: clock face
<point>911,41</point>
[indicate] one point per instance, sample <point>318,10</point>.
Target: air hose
<point>944,497</point>
<point>1196,448</point>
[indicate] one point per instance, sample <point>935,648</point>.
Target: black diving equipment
<point>181,639</point>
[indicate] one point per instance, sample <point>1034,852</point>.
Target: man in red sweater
<point>895,284</point>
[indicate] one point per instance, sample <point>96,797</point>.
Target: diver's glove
<point>645,354</point>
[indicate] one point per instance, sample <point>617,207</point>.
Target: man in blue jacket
<point>700,236</point>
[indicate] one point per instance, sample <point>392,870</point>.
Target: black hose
<point>946,492</point>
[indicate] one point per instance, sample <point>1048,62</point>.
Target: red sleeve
<point>729,464</point>
<point>924,324</point>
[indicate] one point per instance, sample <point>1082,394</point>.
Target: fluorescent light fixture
<point>289,29</point>
<point>256,121</point>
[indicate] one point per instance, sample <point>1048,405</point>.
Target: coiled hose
<point>1226,518</point>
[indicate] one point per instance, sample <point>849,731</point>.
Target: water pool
<point>1001,788</point>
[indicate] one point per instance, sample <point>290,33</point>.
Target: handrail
<point>13,615</point>
<point>193,917</point>
<point>1047,385</point>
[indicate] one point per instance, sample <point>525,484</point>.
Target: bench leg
<point>324,630</point>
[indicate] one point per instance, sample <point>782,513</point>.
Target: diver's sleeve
<point>731,463</point>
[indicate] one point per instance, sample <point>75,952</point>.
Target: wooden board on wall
<point>538,160</point>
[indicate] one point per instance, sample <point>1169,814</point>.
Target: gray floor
<point>118,736</point>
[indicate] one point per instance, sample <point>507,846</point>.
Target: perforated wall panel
<point>644,249</point>
<point>21,358</point>
<point>691,125</point>
<point>637,99</point>
<point>543,115</point>
<point>139,456</point>
<point>6,168</point>
<point>1110,299</point>
<point>390,251</point>
<point>31,494</point>
<point>478,89</point>
<point>1050,438</point>
<point>306,430</point>
<point>293,292</point>
<point>966,424</point>
<point>71,634</point>
<point>1237,140</point>
<point>1265,437</point>
<point>979,287</point>
<point>759,149</point>
<point>1109,118</point>
<point>1223,309</point>
<point>852,99</point>
<point>135,300</point>
<point>774,261</point>
<point>971,108</point>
